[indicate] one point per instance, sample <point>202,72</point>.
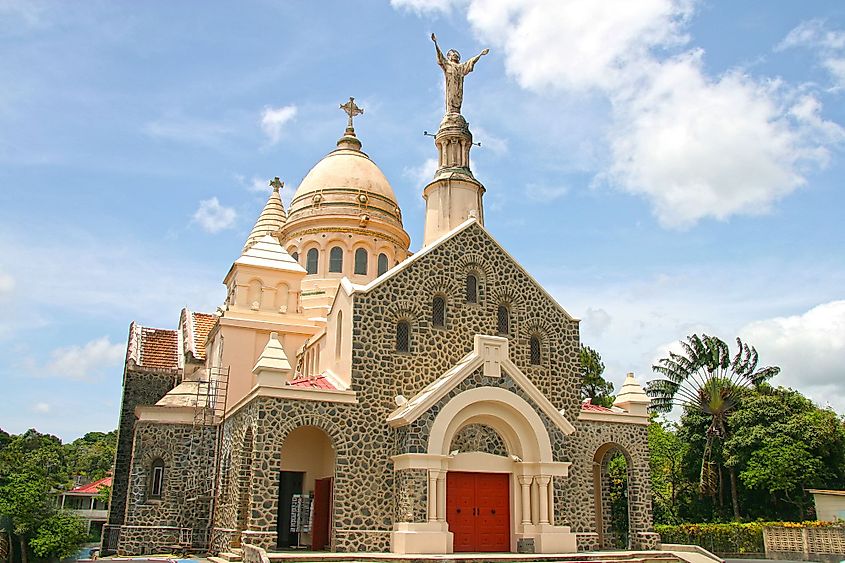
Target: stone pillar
<point>525,485</point>
<point>441,496</point>
<point>432,495</point>
<point>543,496</point>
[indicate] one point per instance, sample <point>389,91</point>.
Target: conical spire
<point>272,217</point>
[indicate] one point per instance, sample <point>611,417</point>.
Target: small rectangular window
<point>158,481</point>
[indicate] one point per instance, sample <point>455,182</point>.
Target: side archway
<point>612,477</point>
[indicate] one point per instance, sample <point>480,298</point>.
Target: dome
<point>344,169</point>
<point>346,190</point>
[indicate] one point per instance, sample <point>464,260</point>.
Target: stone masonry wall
<point>139,388</point>
<point>186,452</point>
<point>368,495</point>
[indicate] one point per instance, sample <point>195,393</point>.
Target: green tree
<point>705,378</point>
<point>59,536</point>
<point>670,486</point>
<point>783,444</point>
<point>92,456</point>
<point>593,385</point>
<point>33,469</point>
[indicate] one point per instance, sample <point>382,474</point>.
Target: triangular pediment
<point>490,353</point>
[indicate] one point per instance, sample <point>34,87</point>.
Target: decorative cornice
<point>345,230</point>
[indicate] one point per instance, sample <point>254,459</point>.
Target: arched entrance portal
<point>612,474</point>
<point>306,484</point>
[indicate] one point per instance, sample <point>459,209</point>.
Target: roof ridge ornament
<point>276,184</point>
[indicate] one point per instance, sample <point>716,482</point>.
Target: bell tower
<point>454,195</point>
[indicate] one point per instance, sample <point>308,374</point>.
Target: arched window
<point>361,262</point>
<point>156,484</point>
<point>403,336</point>
<point>339,338</point>
<point>336,259</point>
<point>472,289</point>
<point>503,320</point>
<point>295,256</point>
<point>438,311</point>
<point>534,344</point>
<point>382,263</point>
<point>311,260</point>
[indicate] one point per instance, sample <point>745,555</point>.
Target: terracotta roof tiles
<point>203,323</point>
<point>159,348</point>
<point>92,488</point>
<point>319,382</point>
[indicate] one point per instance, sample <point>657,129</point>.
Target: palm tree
<point>705,378</point>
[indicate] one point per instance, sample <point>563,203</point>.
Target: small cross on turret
<point>276,184</point>
<point>351,110</point>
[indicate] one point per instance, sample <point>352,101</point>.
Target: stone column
<point>543,494</point>
<point>432,495</point>
<point>525,485</point>
<point>441,496</point>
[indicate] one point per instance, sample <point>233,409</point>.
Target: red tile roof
<point>159,348</point>
<point>588,405</point>
<point>203,323</point>
<point>92,488</point>
<point>319,382</point>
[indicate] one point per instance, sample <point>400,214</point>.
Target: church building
<point>350,395</point>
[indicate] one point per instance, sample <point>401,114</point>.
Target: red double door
<point>478,511</point>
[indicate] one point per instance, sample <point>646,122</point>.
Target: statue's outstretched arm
<point>440,58</point>
<point>471,63</point>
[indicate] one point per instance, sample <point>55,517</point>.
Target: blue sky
<point>662,167</point>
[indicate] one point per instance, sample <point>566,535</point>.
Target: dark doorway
<point>290,483</point>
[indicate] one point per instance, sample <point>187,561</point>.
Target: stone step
<point>232,556</point>
<point>597,557</point>
<point>215,559</point>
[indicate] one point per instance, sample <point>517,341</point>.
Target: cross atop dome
<point>276,184</point>
<point>349,139</point>
<point>351,110</point>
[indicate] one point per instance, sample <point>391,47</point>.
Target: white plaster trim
<point>294,393</point>
<point>165,415</point>
<point>510,415</point>
<point>615,417</point>
<point>487,349</point>
<point>479,461</point>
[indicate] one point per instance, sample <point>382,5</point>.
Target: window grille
<point>472,289</point>
<point>336,260</point>
<point>438,312</point>
<point>504,320</point>
<point>382,263</point>
<point>361,262</point>
<point>311,260</point>
<point>403,336</point>
<point>535,351</point>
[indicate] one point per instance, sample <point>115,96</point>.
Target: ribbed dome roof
<point>272,217</point>
<point>345,169</point>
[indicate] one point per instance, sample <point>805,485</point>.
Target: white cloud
<point>809,348</point>
<point>87,362</point>
<point>273,121</point>
<point>495,144</point>
<point>695,146</point>
<point>423,174</point>
<point>595,321</point>
<point>41,408</point>
<point>7,284</point>
<point>213,217</point>
<point>423,6</point>
<point>187,130</point>
<point>829,45</point>
<point>545,193</point>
